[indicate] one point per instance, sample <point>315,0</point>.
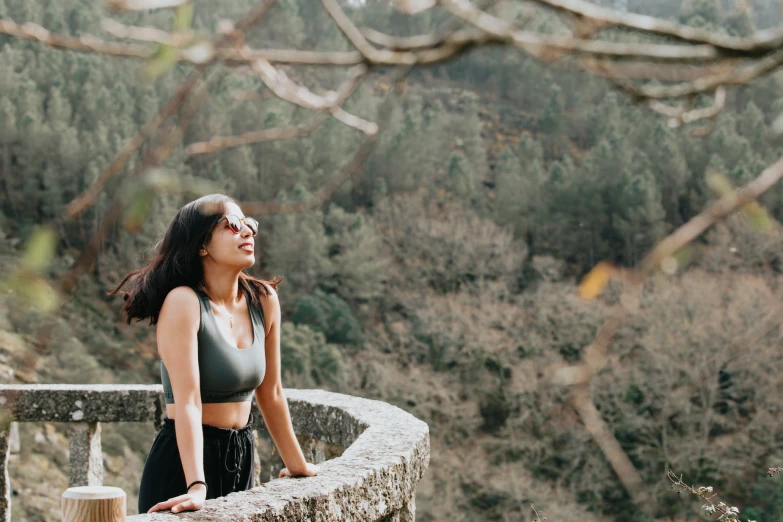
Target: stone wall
<point>374,479</point>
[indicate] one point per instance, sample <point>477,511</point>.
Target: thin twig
<point>450,31</point>
<point>678,116</point>
<point>728,514</point>
<point>738,76</point>
<point>84,43</point>
<point>143,5</point>
<point>217,143</point>
<point>145,34</point>
<point>538,514</point>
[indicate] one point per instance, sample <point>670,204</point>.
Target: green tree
<point>297,247</point>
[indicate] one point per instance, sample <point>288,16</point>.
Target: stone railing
<point>374,479</point>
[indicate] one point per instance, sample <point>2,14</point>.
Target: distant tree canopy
<point>532,148</point>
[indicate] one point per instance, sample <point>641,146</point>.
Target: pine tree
<point>552,118</point>
<point>459,176</point>
<point>298,247</point>
<point>356,253</point>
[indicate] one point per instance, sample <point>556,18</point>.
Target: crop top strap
<point>204,305</point>
<point>257,316</point>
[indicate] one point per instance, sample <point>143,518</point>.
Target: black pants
<point>228,464</point>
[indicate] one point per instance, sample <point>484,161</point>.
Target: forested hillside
<point>443,279</point>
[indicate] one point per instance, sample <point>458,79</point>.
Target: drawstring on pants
<point>237,455</point>
<point>235,451</point>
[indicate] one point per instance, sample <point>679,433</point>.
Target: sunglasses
<point>235,223</point>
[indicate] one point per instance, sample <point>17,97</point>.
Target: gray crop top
<point>227,374</point>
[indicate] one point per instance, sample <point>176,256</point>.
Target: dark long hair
<point>178,263</point>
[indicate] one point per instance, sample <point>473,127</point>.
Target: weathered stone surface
<point>387,452</point>
<point>318,450</point>
<point>5,483</point>
<point>86,403</point>
<point>374,478</point>
<point>14,444</point>
<point>406,514</point>
<point>86,457</point>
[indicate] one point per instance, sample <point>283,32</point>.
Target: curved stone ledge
<point>387,452</point>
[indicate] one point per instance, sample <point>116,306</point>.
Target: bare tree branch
<point>760,44</point>
<point>153,158</point>
<point>538,44</point>
<point>606,441</point>
<point>578,377</point>
<point>86,198</point>
<point>419,41</point>
<point>664,72</point>
<point>352,170</point>
<point>226,142</point>
<point>145,34</point>
<point>286,89</point>
<point>679,116</point>
<point>143,5</point>
<point>451,32</point>
<point>355,35</point>
<point>293,56</point>
<point>85,43</point>
<point>739,76</point>
<point>229,56</point>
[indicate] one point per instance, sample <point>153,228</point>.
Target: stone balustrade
<point>374,479</point>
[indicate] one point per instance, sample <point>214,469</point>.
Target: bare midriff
<point>221,415</point>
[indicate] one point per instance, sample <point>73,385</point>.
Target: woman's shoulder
<point>271,293</point>
<point>181,299</point>
<point>267,301</point>
<point>183,293</point>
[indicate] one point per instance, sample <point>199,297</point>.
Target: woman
<point>218,335</point>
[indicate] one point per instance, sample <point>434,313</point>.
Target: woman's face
<point>227,248</point>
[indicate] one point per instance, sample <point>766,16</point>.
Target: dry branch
<point>143,5</point>
<point>352,170</point>
<point>738,76</point>
<point>679,116</point>
<point>761,43</point>
<point>260,136</point>
<point>84,43</point>
<point>80,203</point>
<point>578,377</point>
<point>145,34</point>
<point>539,44</point>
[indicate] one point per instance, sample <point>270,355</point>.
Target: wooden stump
<point>94,504</point>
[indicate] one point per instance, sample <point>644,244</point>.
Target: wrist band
<point>197,482</point>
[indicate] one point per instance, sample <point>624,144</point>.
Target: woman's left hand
<point>310,471</point>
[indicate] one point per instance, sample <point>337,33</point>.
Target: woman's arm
<point>178,325</point>
<point>272,402</point>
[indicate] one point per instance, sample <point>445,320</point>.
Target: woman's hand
<point>193,500</point>
<point>310,471</point>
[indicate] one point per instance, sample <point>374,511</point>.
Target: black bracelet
<point>197,482</point>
